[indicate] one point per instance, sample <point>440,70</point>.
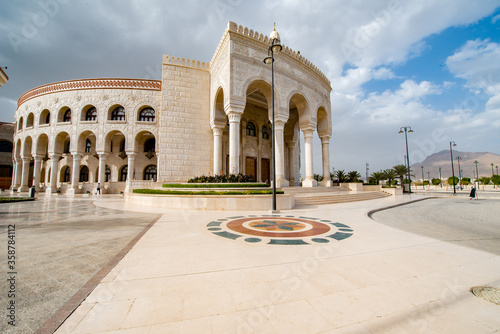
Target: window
<point>118,114</point>
<point>47,118</point>
<point>123,173</point>
<point>250,129</point>
<point>66,147</point>
<point>149,145</point>
<point>67,116</point>
<point>107,174</point>
<point>150,173</point>
<point>6,146</point>
<point>20,124</point>
<point>91,114</point>
<point>29,121</point>
<point>88,146</point>
<point>265,132</point>
<point>147,115</point>
<point>67,175</point>
<point>84,174</point>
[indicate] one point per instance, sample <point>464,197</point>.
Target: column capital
<point>325,139</point>
<point>308,132</point>
<point>102,155</point>
<point>279,126</point>
<point>54,156</point>
<point>131,155</point>
<point>234,106</point>
<point>26,159</point>
<point>234,117</point>
<point>38,157</point>
<point>77,156</point>
<point>218,131</point>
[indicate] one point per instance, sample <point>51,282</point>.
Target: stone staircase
<point>319,196</point>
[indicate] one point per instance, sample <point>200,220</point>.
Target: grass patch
<point>215,185</point>
<point>202,193</point>
<point>15,199</point>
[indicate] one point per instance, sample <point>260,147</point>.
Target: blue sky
<point>431,64</point>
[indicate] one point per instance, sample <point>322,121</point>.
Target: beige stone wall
<point>186,137</point>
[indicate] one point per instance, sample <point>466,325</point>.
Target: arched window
<point>118,114</point>
<point>6,146</point>
<point>88,146</point>
<point>150,145</point>
<point>66,147</point>
<point>84,174</point>
<point>91,114</point>
<point>66,175</point>
<point>123,173</point>
<point>265,132</point>
<point>150,173</point>
<point>29,120</point>
<point>67,116</point>
<point>20,124</point>
<point>107,174</point>
<point>147,115</point>
<point>47,118</point>
<point>250,129</point>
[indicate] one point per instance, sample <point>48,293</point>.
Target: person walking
<point>472,194</point>
<point>98,188</point>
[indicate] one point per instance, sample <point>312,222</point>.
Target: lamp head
<point>410,131</point>
<point>400,131</point>
<point>275,40</point>
<point>268,60</point>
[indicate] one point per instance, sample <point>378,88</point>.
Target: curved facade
<point>200,118</point>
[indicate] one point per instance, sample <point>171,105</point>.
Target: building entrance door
<point>251,166</point>
<point>265,170</point>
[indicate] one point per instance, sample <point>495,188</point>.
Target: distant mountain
<point>442,159</point>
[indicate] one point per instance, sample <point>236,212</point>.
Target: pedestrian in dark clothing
<point>472,194</point>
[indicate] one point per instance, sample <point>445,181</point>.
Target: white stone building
<point>200,118</point>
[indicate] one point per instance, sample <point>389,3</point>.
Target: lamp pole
<point>423,186</point>
<point>407,129</point>
<point>477,173</point>
<point>459,173</point>
<point>440,178</point>
<point>367,169</point>
<point>274,47</point>
<point>452,143</point>
<point>492,172</point>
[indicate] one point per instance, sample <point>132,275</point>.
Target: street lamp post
<point>452,143</point>
<point>492,172</point>
<point>459,173</point>
<point>497,169</point>
<point>440,178</point>
<point>274,47</point>
<point>367,169</point>
<point>407,130</point>
<point>477,173</point>
<point>423,186</point>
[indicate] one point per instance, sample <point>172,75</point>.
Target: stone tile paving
<point>474,224</point>
<point>60,243</point>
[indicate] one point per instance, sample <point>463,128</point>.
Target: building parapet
<point>110,83</point>
<point>170,60</point>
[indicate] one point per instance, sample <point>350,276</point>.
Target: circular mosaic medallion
<point>279,230</point>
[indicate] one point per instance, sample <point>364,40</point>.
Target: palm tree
<point>341,176</point>
<point>353,176</point>
<point>401,171</point>
<point>377,176</point>
<point>389,174</point>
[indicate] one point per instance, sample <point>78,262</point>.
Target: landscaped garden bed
<point>15,199</point>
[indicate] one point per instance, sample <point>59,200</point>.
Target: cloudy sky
<point>433,65</point>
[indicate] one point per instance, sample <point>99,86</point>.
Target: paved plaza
<point>324,269</point>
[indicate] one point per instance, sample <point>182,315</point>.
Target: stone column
<point>280,154</point>
<point>102,170</point>
<point>18,168</point>
<point>217,150</point>
<point>37,169</point>
<point>130,171</point>
<point>308,151</point>
<point>25,174</point>
<point>292,144</point>
<point>54,164</point>
<point>325,145</point>
<point>75,175</point>
<point>234,142</point>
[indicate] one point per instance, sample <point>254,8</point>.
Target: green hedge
<point>186,192</point>
<point>216,185</point>
<point>15,199</point>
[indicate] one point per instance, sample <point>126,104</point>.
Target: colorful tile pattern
<point>279,230</point>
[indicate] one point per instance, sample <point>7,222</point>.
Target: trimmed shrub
<point>200,193</point>
<point>215,185</point>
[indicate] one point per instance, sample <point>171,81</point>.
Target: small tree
<point>400,171</point>
<point>436,181</point>
<point>353,176</point>
<point>389,175</point>
<point>484,180</point>
<point>377,176</point>
<point>341,176</point>
<point>465,181</point>
<point>495,179</point>
<point>453,180</point>
<point>318,177</point>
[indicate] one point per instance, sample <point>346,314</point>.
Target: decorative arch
<point>30,120</point>
<point>324,122</point>
<point>20,124</point>
<point>44,117</point>
<point>42,144</point>
<point>64,115</point>
<point>65,174</point>
<point>113,136</point>
<point>82,141</point>
<point>218,115</point>
<point>84,174</point>
<point>117,113</point>
<point>60,140</point>
<point>89,113</point>
<point>299,102</point>
<point>146,114</point>
<point>27,147</point>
